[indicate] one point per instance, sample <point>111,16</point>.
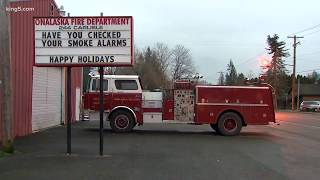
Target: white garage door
<point>46,97</point>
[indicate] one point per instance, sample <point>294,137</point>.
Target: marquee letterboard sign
<point>83,41</point>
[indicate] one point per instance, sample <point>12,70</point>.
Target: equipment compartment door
<point>184,105</point>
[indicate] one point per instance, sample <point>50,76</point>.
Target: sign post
<point>101,108</point>
<point>101,72</point>
<point>69,110</point>
<point>83,41</point>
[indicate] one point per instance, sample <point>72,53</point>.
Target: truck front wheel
<point>229,124</point>
<point>215,128</point>
<point>122,121</point>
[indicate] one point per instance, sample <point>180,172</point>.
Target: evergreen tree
<point>240,79</point>
<point>276,71</point>
<point>221,79</point>
<point>313,78</point>
<point>231,75</point>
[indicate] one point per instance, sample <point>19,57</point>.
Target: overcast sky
<point>217,30</point>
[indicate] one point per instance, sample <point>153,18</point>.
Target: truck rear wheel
<point>122,121</point>
<point>229,124</point>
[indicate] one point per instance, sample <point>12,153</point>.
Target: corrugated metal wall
<point>22,61</point>
<point>0,116</point>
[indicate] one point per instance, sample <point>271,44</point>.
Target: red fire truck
<point>225,108</point>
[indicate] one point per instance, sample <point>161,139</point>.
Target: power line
<point>311,33</point>
<point>309,70</point>
<point>307,29</point>
<point>249,59</point>
<point>308,60</point>
<point>310,53</point>
<point>244,62</point>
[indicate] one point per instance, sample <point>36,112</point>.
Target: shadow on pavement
<point>178,132</point>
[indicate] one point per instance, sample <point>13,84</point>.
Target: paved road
<point>290,150</point>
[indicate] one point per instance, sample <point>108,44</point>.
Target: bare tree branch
<point>163,55</point>
<point>182,66</point>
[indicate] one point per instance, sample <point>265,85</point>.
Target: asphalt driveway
<point>171,151</point>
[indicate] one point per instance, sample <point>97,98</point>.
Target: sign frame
<point>85,64</point>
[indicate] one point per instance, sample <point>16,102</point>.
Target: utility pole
<point>5,81</point>
<point>293,83</point>
<point>298,95</point>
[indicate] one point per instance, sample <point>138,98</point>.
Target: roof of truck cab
<point>233,87</point>
<point>117,76</point>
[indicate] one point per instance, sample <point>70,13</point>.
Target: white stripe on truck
<point>230,104</point>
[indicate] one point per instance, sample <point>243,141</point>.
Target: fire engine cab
<point>225,108</point>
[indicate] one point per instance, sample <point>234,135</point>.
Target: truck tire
<point>215,128</point>
<point>122,121</point>
<point>229,124</point>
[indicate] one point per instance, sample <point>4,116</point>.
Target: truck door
<point>168,106</point>
<point>91,98</point>
<point>127,92</point>
<point>184,105</point>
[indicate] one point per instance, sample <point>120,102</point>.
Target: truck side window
<point>126,84</point>
<point>96,85</point>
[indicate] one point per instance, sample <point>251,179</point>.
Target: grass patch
<point>7,146</point>
<point>3,154</point>
<point>6,154</point>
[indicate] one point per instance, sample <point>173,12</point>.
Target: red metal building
<point>23,73</point>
